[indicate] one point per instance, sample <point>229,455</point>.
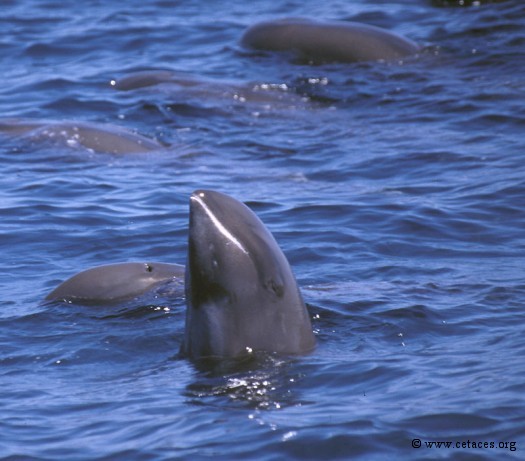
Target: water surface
<point>396,190</point>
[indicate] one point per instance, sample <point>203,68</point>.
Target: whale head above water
<point>241,293</point>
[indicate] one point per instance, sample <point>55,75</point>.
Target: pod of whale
<point>241,293</point>
<point>328,41</point>
<point>97,137</point>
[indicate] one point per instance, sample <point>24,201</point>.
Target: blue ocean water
<point>396,190</point>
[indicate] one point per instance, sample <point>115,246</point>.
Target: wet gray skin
<point>187,87</point>
<point>241,293</point>
<point>328,41</point>
<point>98,137</point>
<point>114,282</point>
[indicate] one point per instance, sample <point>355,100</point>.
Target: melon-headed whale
<point>211,92</point>
<point>240,291</point>
<point>115,282</point>
<point>328,41</point>
<point>97,137</point>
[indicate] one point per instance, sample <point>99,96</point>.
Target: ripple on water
<point>395,190</point>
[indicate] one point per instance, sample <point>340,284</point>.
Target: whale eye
<point>149,268</point>
<point>275,287</point>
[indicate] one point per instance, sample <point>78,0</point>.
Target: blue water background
<point>396,190</point>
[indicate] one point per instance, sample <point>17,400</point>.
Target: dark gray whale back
<point>328,41</point>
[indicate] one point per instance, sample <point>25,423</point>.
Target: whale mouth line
<point>198,197</point>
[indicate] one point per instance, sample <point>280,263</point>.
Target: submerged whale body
<point>97,137</point>
<point>178,85</point>
<point>115,282</point>
<point>328,41</point>
<point>241,293</point>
